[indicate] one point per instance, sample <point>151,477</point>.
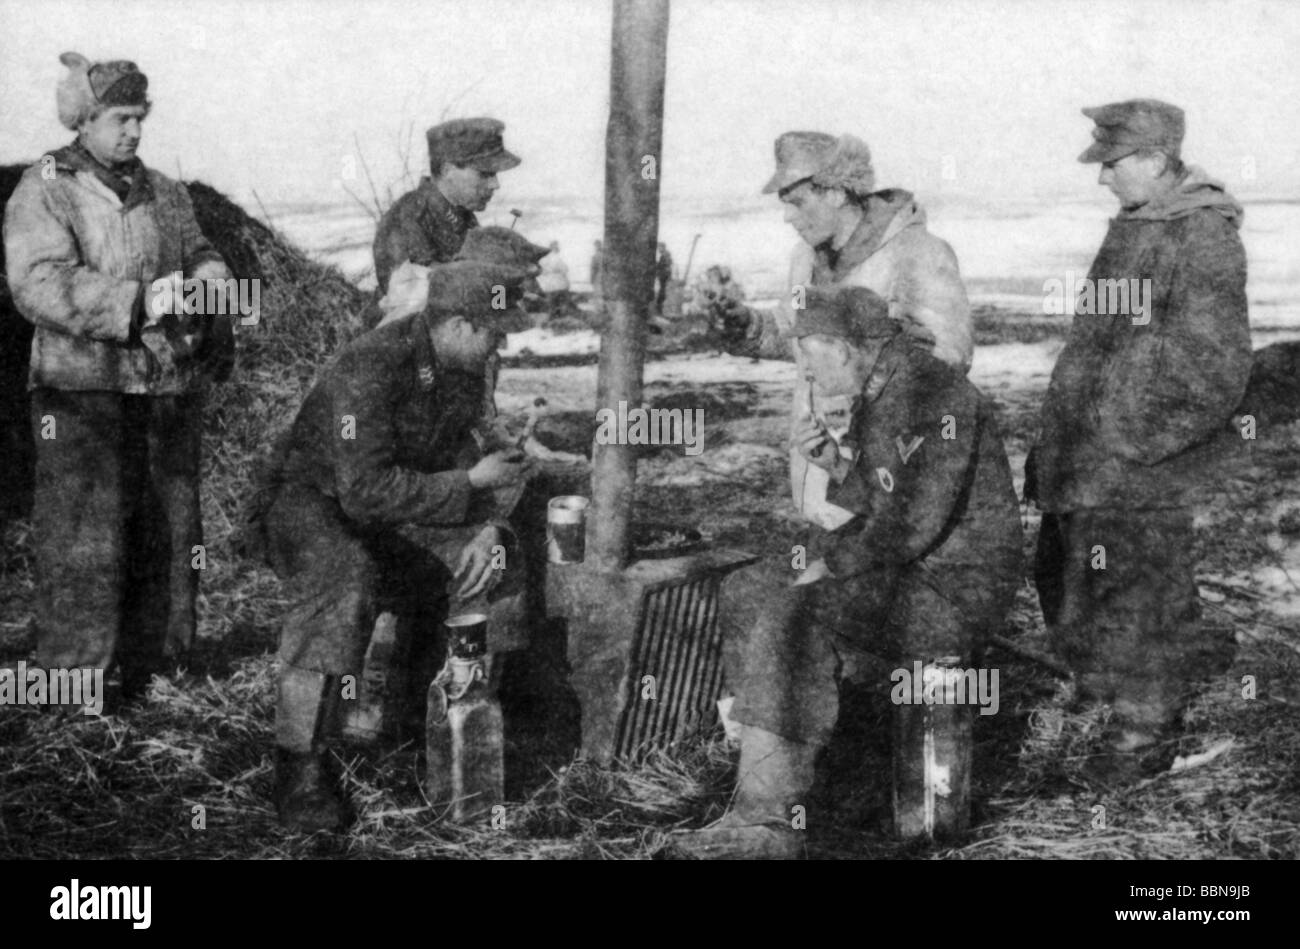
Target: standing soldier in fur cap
<point>379,499</point>
<point>852,236</point>
<point>116,384</point>
<point>1136,395</point>
<point>427,226</point>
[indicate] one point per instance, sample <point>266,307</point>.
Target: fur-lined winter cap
<point>469,287</point>
<point>89,86</point>
<point>827,161</point>
<point>848,168</point>
<point>799,155</point>
<point>501,245</point>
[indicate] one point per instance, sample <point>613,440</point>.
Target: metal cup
<point>566,529</point>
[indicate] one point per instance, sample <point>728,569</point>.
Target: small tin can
<point>566,529</point>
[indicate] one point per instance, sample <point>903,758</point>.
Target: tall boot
<point>308,796</point>
<point>775,775</point>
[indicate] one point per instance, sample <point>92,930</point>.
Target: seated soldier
<point>925,566</point>
<point>379,499</point>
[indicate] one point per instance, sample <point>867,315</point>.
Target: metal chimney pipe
<point>633,164</point>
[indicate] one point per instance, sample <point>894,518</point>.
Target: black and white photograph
<point>671,430</point>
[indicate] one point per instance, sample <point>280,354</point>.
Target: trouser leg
<point>79,525</point>
<point>1128,615</point>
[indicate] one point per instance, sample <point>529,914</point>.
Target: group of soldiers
<point>397,488</point>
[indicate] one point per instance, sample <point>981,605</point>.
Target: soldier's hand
<point>815,443</point>
<point>500,469</point>
<point>474,572</point>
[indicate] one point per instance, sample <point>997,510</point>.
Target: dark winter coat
<point>422,227</point>
<point>386,432</point>
<point>931,479</point>
<point>1133,407</point>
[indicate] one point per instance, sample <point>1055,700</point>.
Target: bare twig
<point>365,166</point>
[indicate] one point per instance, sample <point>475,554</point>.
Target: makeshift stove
<point>645,647</point>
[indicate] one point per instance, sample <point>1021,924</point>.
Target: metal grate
<point>678,641</point>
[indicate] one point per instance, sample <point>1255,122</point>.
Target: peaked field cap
<point>88,85</point>
<point>799,155</point>
<point>476,142</point>
<point>856,314</point>
<point>1124,127</point>
<point>470,287</point>
<point>500,245</point>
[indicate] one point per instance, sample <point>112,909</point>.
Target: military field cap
<point>88,86</point>
<point>1124,127</point>
<point>475,142</point>
<point>799,156</point>
<point>469,287</point>
<point>856,314</point>
<point>501,245</point>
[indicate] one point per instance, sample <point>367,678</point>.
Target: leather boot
<point>775,775</point>
<point>308,796</point>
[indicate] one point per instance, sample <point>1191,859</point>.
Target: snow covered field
<point>1006,251</point>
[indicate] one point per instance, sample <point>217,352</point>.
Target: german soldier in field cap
<point>927,566</point>
<point>1145,381</point>
<point>852,235</point>
<point>428,225</point>
<point>380,499</point>
<point>117,381</point>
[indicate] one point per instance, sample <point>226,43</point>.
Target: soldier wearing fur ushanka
<point>852,235</point>
<point>117,384</point>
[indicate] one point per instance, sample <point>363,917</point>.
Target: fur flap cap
<point>89,86</point>
<point>501,245</point>
<point>470,287</point>
<point>848,167</point>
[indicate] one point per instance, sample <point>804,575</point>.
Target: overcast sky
<point>972,98</point>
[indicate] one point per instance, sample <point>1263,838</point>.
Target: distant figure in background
<point>663,275</point>
<point>117,382</point>
<point>1136,392</point>
<point>715,290</point>
<point>554,282</point>
<point>427,226</point>
<point>597,275</point>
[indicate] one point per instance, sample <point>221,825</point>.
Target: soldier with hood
<point>852,236</point>
<point>1137,395</point>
